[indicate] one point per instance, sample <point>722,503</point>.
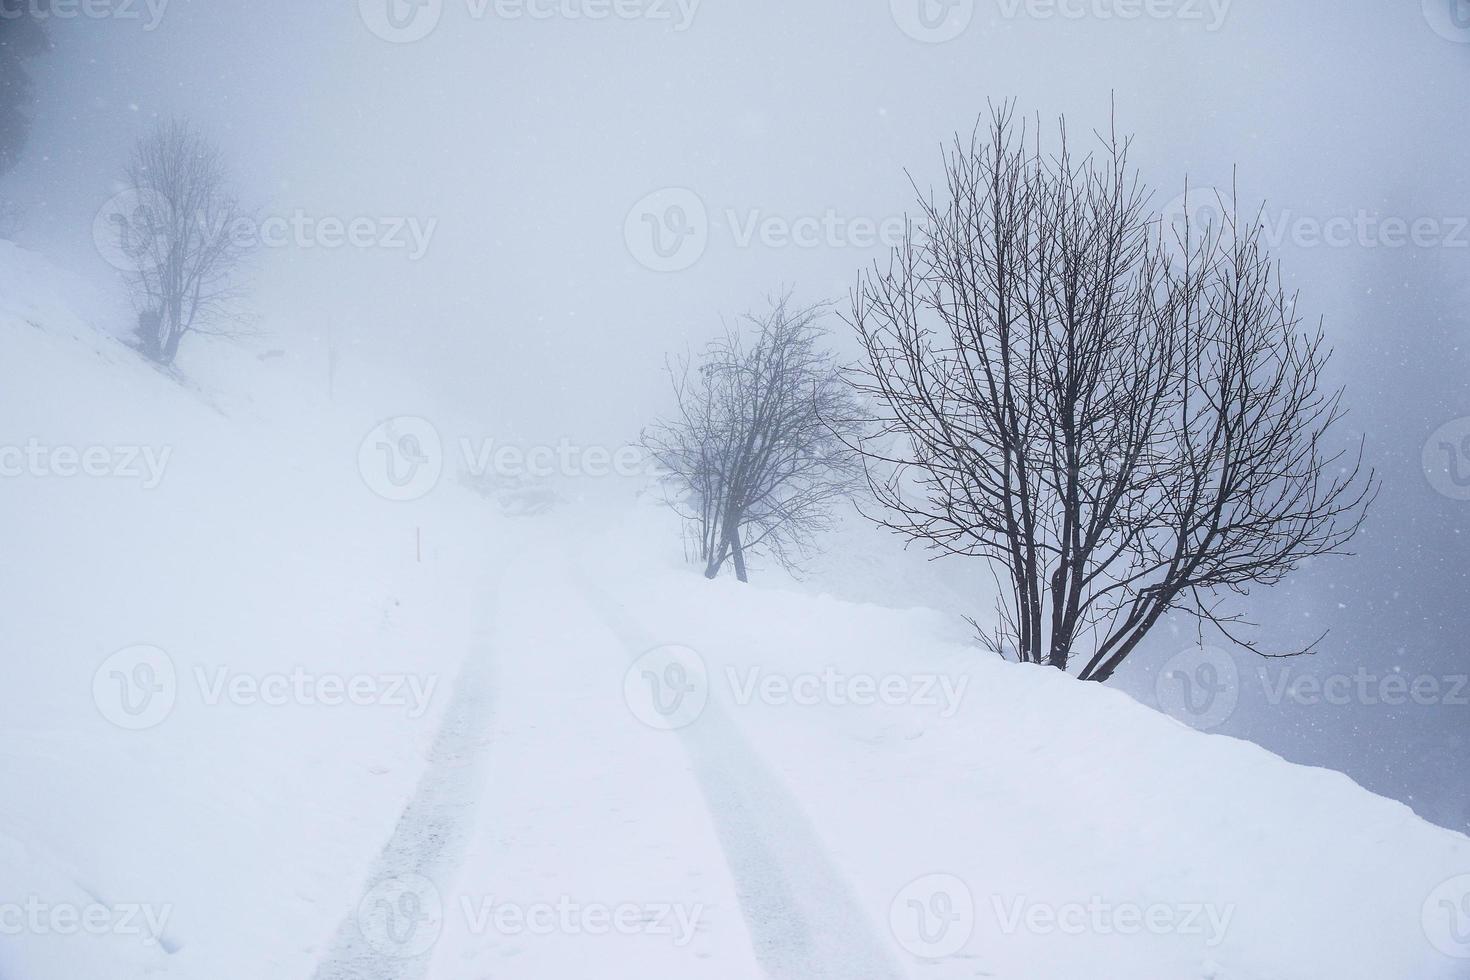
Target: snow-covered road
<point>802,917</point>
<point>556,833</point>
<point>392,931</point>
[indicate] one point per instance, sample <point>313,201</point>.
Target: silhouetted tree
<point>181,233</point>
<point>757,453</point>
<point>1125,420</point>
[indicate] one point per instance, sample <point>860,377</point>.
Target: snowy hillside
<point>263,721</point>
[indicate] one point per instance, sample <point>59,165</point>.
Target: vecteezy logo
<point>136,687</point>
<point>1199,686</point>
<point>933,21</point>
<point>1447,459</point>
<point>934,916</point>
<point>401,21</point>
<point>131,230</point>
<point>667,688</point>
<point>1446,917</point>
<point>668,230</point>
<point>401,916</point>
<point>402,458</point>
<point>1450,19</point>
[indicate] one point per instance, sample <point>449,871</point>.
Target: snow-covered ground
<point>260,721</point>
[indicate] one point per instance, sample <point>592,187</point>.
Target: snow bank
<point>1002,820</point>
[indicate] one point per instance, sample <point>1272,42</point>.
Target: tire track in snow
<point>801,914</point>
<point>391,932</point>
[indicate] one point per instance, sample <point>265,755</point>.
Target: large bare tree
<point>757,452</point>
<point>181,233</point>
<point>1126,419</point>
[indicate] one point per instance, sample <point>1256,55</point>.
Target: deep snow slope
<point>1007,821</point>
<point>179,629</point>
<point>259,721</point>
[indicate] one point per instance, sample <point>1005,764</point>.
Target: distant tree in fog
<point>1126,419</point>
<point>22,37</point>
<point>180,231</point>
<point>757,454</point>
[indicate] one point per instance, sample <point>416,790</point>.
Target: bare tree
<point>757,453</point>
<point>1125,419</point>
<point>181,234</point>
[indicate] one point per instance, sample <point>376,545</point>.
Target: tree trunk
<point>716,562</point>
<point>150,334</point>
<point>730,547</point>
<point>173,330</point>
<point>171,351</point>
<point>739,551</point>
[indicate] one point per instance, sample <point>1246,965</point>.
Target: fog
<point>519,146</point>
<point>558,195</point>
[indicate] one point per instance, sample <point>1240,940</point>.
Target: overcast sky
<point>556,201</point>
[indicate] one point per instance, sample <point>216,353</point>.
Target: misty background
<point>527,144</point>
